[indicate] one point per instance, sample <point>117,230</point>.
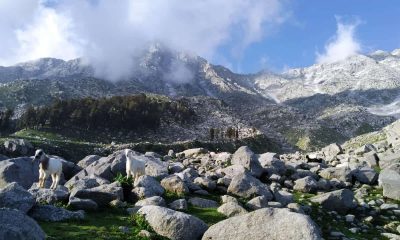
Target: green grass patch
<point>208,215</point>
<point>103,224</point>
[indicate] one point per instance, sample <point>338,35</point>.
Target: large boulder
<point>388,158</point>
<point>389,179</point>
<point>82,204</point>
<point>49,196</point>
<point>365,175</point>
<point>20,170</point>
<point>16,225</point>
<point>271,161</point>
<point>283,197</point>
<point>231,209</point>
<point>172,224</point>
<point>105,167</point>
<point>16,197</point>
<point>88,160</point>
<point>147,186</point>
<point>155,167</point>
<point>102,195</point>
<point>331,151</point>
<point>246,186</point>
<point>245,157</point>
<point>206,183</point>
<point>233,170</point>
<point>174,184</point>
<point>341,173</point>
<point>306,185</point>
<point>50,213</point>
<point>393,133</point>
<point>18,147</point>
<point>266,223</point>
<point>340,200</point>
<point>87,182</point>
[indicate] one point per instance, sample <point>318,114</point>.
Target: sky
<point>245,35</point>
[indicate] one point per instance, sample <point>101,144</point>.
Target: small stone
<point>118,203</point>
<point>337,234</point>
<point>350,218</point>
<point>368,219</point>
<point>354,230</point>
<point>145,234</point>
<point>388,206</point>
<point>124,229</point>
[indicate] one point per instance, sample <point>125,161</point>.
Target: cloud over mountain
<point>110,34</point>
<point>342,45</point>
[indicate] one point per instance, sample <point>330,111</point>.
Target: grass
<point>69,148</point>
<point>99,225</point>
<point>208,215</point>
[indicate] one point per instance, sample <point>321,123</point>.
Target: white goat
<point>135,167</point>
<point>48,166</point>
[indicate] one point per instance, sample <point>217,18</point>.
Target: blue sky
<point>245,35</point>
<point>313,23</point>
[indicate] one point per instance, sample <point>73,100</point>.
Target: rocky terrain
<point>348,191</point>
<point>304,108</point>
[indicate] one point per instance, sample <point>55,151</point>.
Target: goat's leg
<point>40,183</point>
<point>44,180</point>
<point>53,180</point>
<point>57,180</point>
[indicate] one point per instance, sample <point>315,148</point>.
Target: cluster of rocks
<point>261,195</point>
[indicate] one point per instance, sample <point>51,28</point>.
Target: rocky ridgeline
<point>262,196</point>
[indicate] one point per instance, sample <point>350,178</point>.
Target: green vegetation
<point>71,149</point>
<point>312,139</point>
<point>98,225</point>
<point>208,215</point>
<point>135,112</point>
<point>364,128</point>
<point>368,138</point>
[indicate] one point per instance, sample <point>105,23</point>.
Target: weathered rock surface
<point>16,225</point>
<point>51,213</point>
<point>389,179</point>
<point>246,186</point>
<point>173,224</point>
<point>174,184</point>
<point>20,170</point>
<point>203,203</point>
<point>246,158</point>
<point>16,197</point>
<point>267,223</point>
<point>231,209</point>
<point>49,196</point>
<point>340,200</point>
<point>102,195</point>
<point>147,186</point>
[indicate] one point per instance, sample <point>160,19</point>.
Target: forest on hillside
<point>114,113</point>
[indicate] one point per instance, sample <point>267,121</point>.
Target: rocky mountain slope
<point>305,107</point>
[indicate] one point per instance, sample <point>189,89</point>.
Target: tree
<point>212,134</point>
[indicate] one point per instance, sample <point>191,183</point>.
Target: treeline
<point>218,134</point>
<point>6,123</point>
<point>114,113</point>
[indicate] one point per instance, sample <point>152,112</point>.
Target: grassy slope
<point>74,145</point>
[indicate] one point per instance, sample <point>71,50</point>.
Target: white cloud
<point>109,34</point>
<point>342,45</point>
